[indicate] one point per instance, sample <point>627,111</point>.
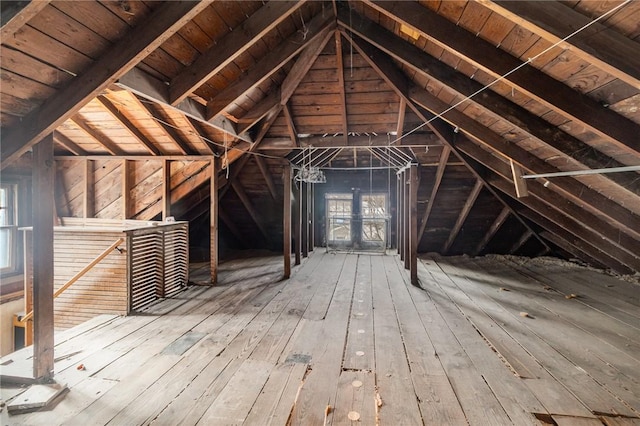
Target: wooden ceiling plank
<point>471,200</point>
<point>302,66</point>
<point>111,147</point>
<point>571,188</point>
<point>497,223</point>
<point>597,44</point>
<point>68,144</point>
<point>269,64</point>
<point>246,202</point>
<point>120,58</point>
<point>167,128</point>
<point>602,233</point>
<point>230,47</point>
<point>15,14</point>
<point>383,64</point>
<point>535,83</point>
<point>151,88</point>
<point>132,128</point>
<point>343,97</point>
<point>430,67</point>
<point>442,164</point>
<point>264,169</point>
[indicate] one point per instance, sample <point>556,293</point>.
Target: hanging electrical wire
<point>505,75</point>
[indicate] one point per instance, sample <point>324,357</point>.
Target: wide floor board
<point>348,340</point>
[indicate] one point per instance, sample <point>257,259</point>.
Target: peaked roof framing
<point>354,83</point>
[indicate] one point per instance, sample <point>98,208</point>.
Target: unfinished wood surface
<point>348,337</point>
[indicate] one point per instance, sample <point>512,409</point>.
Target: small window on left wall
<point>8,228</point>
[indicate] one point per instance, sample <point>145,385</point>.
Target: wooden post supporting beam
<point>310,216</point>
<point>286,220</point>
<point>213,221</point>
<point>88,198</point>
<point>43,205</point>
<point>399,213</point>
<point>126,189</point>
<point>297,220</point>
<point>413,224</point>
<point>304,201</point>
<point>166,189</point>
<point>407,216</point>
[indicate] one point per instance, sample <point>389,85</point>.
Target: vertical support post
<point>405,224</point>
<point>297,217</point>
<point>304,200</point>
<point>43,205</point>
<point>398,215</point>
<point>213,221</point>
<point>88,199</point>
<point>28,284</point>
<point>286,220</point>
<point>126,189</point>
<point>401,215</point>
<point>166,189</point>
<point>413,224</point>
<point>310,214</point>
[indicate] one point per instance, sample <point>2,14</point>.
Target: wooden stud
<point>304,218</point>
<point>406,223</point>
<point>126,190</point>
<point>413,224</point>
<point>297,221</point>
<point>213,220</point>
<point>310,216</point>
<point>88,196</point>
<point>43,205</point>
<point>286,220</point>
<point>28,284</point>
<point>124,55</point>
<point>166,189</point>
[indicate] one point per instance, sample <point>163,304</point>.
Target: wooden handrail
<point>80,274</point>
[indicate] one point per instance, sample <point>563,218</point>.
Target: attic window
<point>409,31</point>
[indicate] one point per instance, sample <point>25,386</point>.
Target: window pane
<point>6,245</point>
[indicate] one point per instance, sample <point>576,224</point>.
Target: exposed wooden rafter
<point>230,47</point>
<point>269,65</point>
<point>536,84</point>
<point>597,44</point>
<point>127,124</point>
<point>471,200</point>
<point>109,145</point>
<point>442,164</point>
<point>68,144</point>
<point>17,13</point>
<point>497,223</point>
<point>120,58</point>
<point>153,110</point>
<point>396,79</point>
<point>431,67</point>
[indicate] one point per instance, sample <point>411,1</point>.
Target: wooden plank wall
<point>103,187</point>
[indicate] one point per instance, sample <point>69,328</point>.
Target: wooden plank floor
<point>347,340</point>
